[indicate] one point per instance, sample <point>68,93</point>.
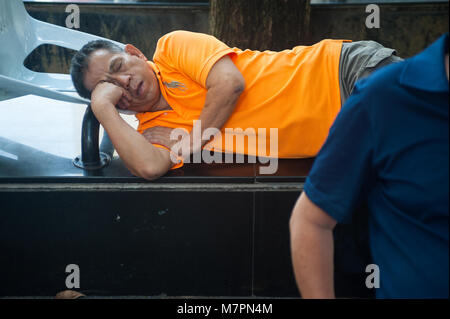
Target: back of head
<point>80,63</point>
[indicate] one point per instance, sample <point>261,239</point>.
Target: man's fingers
<point>153,137</point>
<point>161,130</point>
<point>127,96</point>
<point>147,135</point>
<point>120,105</point>
<point>185,146</point>
<point>126,102</point>
<point>160,135</point>
<point>123,104</point>
<point>105,91</point>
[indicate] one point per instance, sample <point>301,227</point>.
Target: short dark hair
<point>80,62</point>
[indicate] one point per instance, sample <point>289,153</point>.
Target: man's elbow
<point>306,214</point>
<point>232,84</point>
<point>294,220</point>
<point>238,84</point>
<point>150,173</point>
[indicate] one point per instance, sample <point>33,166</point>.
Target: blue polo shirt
<point>389,147</point>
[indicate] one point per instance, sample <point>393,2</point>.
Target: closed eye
<point>116,65</point>
<point>119,66</point>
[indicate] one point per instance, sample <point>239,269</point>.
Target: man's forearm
<point>313,263</point>
<point>312,255</point>
<point>224,85</point>
<point>219,105</point>
<point>141,157</point>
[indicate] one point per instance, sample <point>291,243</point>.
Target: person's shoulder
<point>168,42</point>
<point>168,37</point>
<point>177,35</point>
<point>181,40</point>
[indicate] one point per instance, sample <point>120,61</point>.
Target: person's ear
<point>132,50</point>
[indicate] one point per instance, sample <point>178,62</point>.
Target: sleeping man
<point>282,103</point>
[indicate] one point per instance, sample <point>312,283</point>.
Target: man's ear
<point>132,50</point>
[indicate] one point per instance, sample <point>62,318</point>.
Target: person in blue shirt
<point>389,148</point>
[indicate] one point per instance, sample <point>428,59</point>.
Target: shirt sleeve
<point>341,173</point>
<point>191,53</point>
<point>179,162</point>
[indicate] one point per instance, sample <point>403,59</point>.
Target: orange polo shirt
<point>295,91</point>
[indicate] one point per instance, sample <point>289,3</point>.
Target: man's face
<point>128,70</point>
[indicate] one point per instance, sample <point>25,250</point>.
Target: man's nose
<point>123,80</point>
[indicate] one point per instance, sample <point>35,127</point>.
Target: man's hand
<point>160,135</point>
<point>140,157</point>
<point>108,93</point>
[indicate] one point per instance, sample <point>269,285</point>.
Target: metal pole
<point>91,158</point>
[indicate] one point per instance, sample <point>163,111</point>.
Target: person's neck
<point>161,105</point>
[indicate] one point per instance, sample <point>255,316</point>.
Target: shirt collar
<point>426,71</point>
